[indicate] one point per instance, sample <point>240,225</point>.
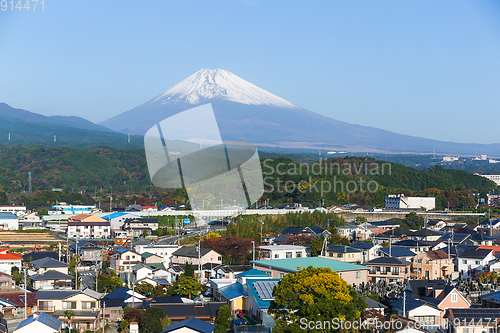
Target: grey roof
<point>51,275</point>
<point>390,261</point>
<point>48,262</point>
<point>362,245</point>
<point>42,318</point>
<point>92,293</point>
<point>398,232</point>
<point>342,249</point>
<point>475,254</point>
<point>410,243</point>
<point>426,232</point>
<point>56,294</point>
<point>410,304</point>
<point>373,304</point>
<point>190,252</point>
<point>193,323</point>
<point>398,251</point>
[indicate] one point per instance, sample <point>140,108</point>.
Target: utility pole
<point>261,225</point>
<point>103,315</point>
<point>25,293</point>
<point>253,254</point>
<point>76,264</point>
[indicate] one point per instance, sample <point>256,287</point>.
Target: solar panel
<point>264,289</point>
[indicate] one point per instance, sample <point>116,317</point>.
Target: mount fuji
<point>245,112</point>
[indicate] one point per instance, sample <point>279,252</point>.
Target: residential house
<point>188,254</point>
<point>149,258</point>
<point>164,251</point>
<point>354,232</point>
<point>122,297</point>
<point>35,255</point>
<point>88,226</point>
<point>425,314</point>
<point>32,221</point>
<point>491,300</point>
<point>370,250</point>
<point>488,227</point>
<point>52,279</point>
<point>13,303</point>
<point>190,325</point>
<point>343,253</point>
<point>283,251</point>
<point>473,320</point>
<point>435,224</point>
<point>39,322</point>
<point>46,264</point>
<point>312,231</point>
<point>438,294</point>
<point>9,221</point>
<point>374,305</point>
<point>474,261</point>
<point>85,305</point>
<point>7,283</point>
<point>456,239</point>
<point>230,271</point>
<point>277,268</point>
<point>426,234</point>
<point>88,251</point>
<point>432,265</point>
<point>138,227</point>
<point>392,236</point>
<point>381,224</point>
<point>123,260</point>
<point>413,245</point>
<point>399,252</point>
<point>260,297</point>
<point>200,310</point>
<point>389,269</point>
<point>8,261</point>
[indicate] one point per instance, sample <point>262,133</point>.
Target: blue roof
<point>43,318</point>
<point>362,245</point>
<point>7,216</point>
<point>235,290</point>
<point>193,323</point>
<point>252,273</point>
<point>116,215</point>
<point>6,301</point>
<point>398,251</point>
<point>263,304</point>
<point>410,243</point>
<point>411,304</point>
<point>120,293</point>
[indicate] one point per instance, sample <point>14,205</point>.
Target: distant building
<point>9,260</point>
<point>9,221</point>
<point>64,208</point>
<point>399,201</point>
<point>283,251</point>
<point>16,210</point>
<point>495,178</point>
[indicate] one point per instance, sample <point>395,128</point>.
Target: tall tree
<point>222,321</point>
<point>315,294</point>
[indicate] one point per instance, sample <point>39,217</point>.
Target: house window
<point>358,275</point>
<point>464,262</point>
<point>276,256</point>
<point>282,275</point>
<point>289,254</point>
<point>427,262</point>
<point>425,320</point>
<point>45,305</point>
<point>468,330</point>
<point>69,305</point>
<point>330,254</point>
<point>298,254</point>
<point>383,270</point>
<point>395,270</point>
<point>454,297</point>
<point>88,305</point>
<point>478,262</point>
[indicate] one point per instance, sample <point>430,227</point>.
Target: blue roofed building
<point>343,253</point>
<point>9,221</point>
<point>39,322</point>
<point>260,295</point>
<point>351,273</point>
<point>398,252</point>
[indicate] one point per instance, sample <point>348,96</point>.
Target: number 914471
<point>22,5</point>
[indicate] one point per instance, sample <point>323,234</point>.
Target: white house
<point>164,251</point>
<point>9,260</point>
<point>474,260</point>
<point>39,322</point>
<point>283,252</point>
<point>9,221</point>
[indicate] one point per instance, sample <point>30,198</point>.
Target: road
<point>190,233</point>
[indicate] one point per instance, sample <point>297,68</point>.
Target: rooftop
<point>293,265</point>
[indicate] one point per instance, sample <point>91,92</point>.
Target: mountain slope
<point>248,113</point>
<point>70,121</point>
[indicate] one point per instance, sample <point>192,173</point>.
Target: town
<point>113,271</point>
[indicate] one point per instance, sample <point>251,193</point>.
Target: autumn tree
<point>316,294</point>
<point>234,250</point>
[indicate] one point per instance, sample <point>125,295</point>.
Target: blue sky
<point>424,68</point>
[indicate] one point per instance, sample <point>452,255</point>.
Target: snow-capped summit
<point>208,84</point>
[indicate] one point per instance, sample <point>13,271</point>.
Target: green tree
<point>69,314</point>
<point>316,294</point>
<point>108,283</point>
<point>222,321</point>
<point>188,287</point>
<point>189,270</point>
<point>151,320</point>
